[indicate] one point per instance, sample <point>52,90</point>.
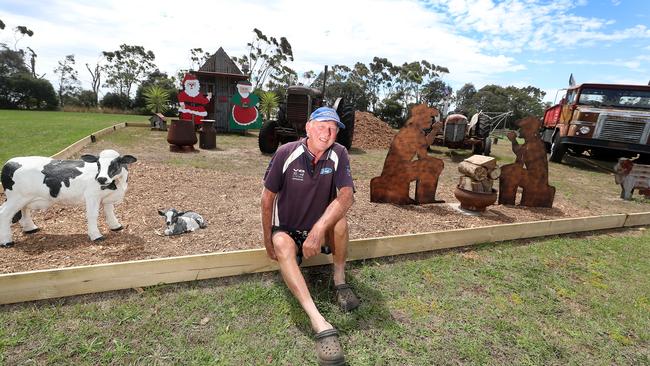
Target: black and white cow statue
<point>179,222</point>
<point>36,182</point>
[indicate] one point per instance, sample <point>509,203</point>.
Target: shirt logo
<point>327,170</point>
<point>298,174</point>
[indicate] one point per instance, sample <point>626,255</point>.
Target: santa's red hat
<point>187,77</point>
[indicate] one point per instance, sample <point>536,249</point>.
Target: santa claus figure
<point>244,111</point>
<point>191,101</point>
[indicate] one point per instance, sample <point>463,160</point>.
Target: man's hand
<point>267,210</point>
<point>312,244</point>
<point>270,251</point>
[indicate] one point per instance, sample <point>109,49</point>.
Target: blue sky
<point>515,42</point>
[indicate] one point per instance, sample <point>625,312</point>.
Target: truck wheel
<point>346,135</point>
<point>268,140</point>
<point>558,150</point>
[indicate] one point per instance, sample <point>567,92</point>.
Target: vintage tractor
<point>460,133</point>
<point>293,115</point>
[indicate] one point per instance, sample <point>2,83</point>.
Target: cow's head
<point>171,216</point>
<point>110,166</point>
<point>624,166</point>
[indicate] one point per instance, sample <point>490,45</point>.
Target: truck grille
<point>623,129</point>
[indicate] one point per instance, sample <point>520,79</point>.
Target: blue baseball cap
<point>326,114</point>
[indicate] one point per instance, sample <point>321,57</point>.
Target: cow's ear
<point>161,212</point>
<point>127,159</point>
<point>180,213</point>
<point>89,158</point>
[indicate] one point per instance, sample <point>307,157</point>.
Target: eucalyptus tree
<point>127,66</point>
<point>68,78</point>
<point>266,57</point>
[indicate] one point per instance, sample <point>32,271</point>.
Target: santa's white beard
<point>192,92</point>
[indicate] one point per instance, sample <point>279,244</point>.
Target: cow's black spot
<point>114,168</point>
<point>59,172</point>
<point>7,176</point>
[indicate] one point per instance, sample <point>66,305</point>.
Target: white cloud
<point>342,32</point>
<point>542,62</point>
<point>634,63</point>
<point>478,40</point>
<point>518,25</point>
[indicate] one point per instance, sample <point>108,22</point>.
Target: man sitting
<point>308,190</point>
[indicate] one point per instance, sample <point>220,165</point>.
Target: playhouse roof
<point>220,63</point>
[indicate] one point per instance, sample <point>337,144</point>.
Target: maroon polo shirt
<point>303,190</point>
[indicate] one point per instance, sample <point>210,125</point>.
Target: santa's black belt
<point>191,104</point>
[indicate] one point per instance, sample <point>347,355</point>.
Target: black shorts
<point>299,237</point>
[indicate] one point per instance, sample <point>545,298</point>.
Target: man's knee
<point>341,227</point>
<point>284,246</point>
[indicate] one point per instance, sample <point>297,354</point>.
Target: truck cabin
<point>605,119</point>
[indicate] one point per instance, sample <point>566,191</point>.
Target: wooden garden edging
<point>45,284</point>
<point>79,145</point>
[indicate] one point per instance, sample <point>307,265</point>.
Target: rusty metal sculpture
<point>529,171</point>
<point>400,167</point>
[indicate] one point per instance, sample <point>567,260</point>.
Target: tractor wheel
<point>483,128</point>
<point>484,148</point>
<point>487,148</point>
<point>558,150</point>
<point>477,149</point>
<point>268,140</point>
<point>346,114</point>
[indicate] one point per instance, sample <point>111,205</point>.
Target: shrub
<point>156,99</point>
<point>115,100</point>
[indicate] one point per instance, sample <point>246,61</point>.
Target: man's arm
<point>336,210</point>
<point>267,211</point>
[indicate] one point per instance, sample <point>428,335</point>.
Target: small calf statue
<point>36,182</point>
<point>631,176</point>
<point>179,222</point>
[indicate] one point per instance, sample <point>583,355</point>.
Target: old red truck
<point>607,120</point>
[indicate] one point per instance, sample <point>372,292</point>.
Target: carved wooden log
<point>477,187</point>
<point>494,173</point>
<point>487,185</point>
<point>474,171</point>
<point>485,161</point>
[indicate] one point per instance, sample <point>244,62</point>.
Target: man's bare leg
<point>339,243</point>
<point>285,249</point>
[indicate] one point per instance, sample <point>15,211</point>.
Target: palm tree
<point>268,103</point>
<point>156,99</point>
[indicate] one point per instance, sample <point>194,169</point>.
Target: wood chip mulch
<point>229,200</point>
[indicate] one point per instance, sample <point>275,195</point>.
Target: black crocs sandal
<point>346,298</point>
<point>328,348</point>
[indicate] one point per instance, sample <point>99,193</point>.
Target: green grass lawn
<point>46,133</point>
<point>556,301</point>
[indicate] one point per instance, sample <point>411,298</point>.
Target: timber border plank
<point>53,283</point>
